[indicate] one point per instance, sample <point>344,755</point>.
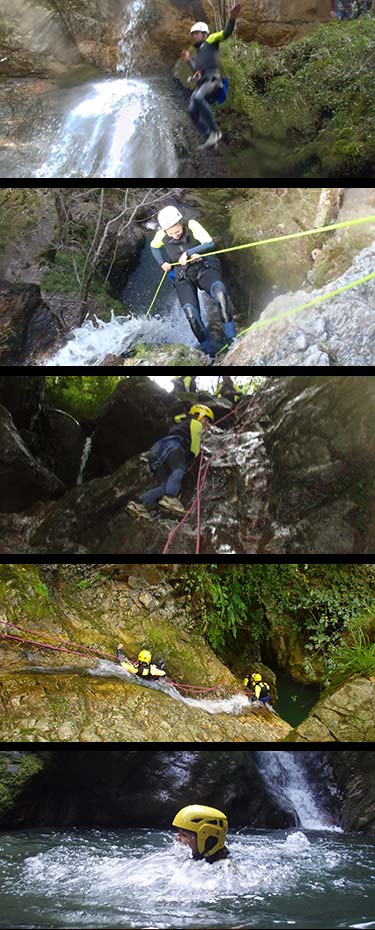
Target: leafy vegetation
<point>354,654</point>
<point>307,108</point>
<point>81,396</point>
<point>321,601</point>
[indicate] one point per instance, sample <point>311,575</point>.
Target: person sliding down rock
<point>206,70</point>
<point>181,245</point>
<point>143,667</point>
<point>260,690</point>
<point>170,459</point>
<point>204,829</point>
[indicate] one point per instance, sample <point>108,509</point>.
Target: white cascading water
<point>135,13</point>
<point>237,704</point>
<point>115,127</point>
<point>85,457</point>
<point>286,776</point>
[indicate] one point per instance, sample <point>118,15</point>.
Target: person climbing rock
<point>260,690</point>
<point>204,829</point>
<point>229,390</point>
<point>205,66</point>
<point>177,247</point>
<point>170,459</point>
<point>143,667</point>
<point>186,384</point>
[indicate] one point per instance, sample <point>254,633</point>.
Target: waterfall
<point>85,457</point>
<point>113,128</point>
<point>135,15</point>
<point>286,776</point>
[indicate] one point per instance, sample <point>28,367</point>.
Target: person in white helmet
<point>205,66</point>
<point>177,247</point>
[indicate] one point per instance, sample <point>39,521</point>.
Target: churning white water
<point>287,778</point>
<point>113,128</point>
<point>90,343</point>
<point>144,879</point>
<point>235,704</point>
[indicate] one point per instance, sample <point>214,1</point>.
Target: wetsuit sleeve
<point>157,248</point>
<point>202,236</point>
<point>196,436</point>
<point>224,34</point>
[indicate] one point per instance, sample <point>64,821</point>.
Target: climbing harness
<point>300,235</point>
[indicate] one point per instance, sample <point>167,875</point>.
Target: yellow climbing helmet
<point>202,412</point>
<point>256,678</point>
<point>208,823</point>
<point>145,656</point>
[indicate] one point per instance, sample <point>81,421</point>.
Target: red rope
<point>80,650</point>
<point>200,484</point>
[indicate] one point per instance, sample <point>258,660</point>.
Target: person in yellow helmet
<point>170,459</point>
<point>260,690</point>
<point>229,390</point>
<point>144,667</point>
<point>204,829</point>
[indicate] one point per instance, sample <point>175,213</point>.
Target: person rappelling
<point>143,667</point>
<point>177,247</point>
<point>205,66</point>
<point>229,390</point>
<point>204,830</point>
<point>170,458</point>
<point>184,384</point>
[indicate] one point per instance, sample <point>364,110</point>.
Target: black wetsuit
<point>207,62</point>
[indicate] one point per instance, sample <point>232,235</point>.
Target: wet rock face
<point>346,716</point>
<point>147,789</point>
<point>292,472</point>
<point>23,480</point>
<point>355,778</point>
<point>338,331</point>
<point>48,36</point>
<point>136,421</point>
<point>23,397</point>
<point>18,303</point>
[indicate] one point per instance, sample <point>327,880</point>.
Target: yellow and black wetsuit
<point>203,274</point>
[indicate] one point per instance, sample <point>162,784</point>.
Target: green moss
<point>63,276</point>
<point>16,770</point>
<point>313,97</point>
<point>19,213</point>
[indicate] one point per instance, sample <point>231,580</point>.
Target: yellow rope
<point>311,303</point>
<point>252,245</point>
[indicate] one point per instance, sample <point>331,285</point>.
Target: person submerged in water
<point>177,247</point>
<point>204,829</point>
<point>205,66</point>
<point>143,667</point>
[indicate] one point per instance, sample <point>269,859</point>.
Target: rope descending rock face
<point>263,242</point>
<point>88,651</point>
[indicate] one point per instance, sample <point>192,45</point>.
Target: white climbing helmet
<point>169,217</point>
<point>200,27</point>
